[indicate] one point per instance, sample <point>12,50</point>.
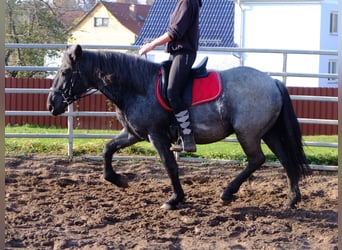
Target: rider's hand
<point>145,49</point>
<point>165,38</point>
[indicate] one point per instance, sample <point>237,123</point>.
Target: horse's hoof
<point>123,181</point>
<point>291,205</point>
<point>293,201</point>
<point>226,203</point>
<point>227,198</point>
<point>168,206</point>
<point>118,180</point>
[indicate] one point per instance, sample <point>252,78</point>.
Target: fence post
<point>284,67</point>
<point>70,129</point>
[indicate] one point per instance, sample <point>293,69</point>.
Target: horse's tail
<point>287,122</point>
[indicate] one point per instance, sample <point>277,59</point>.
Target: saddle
<point>203,85</point>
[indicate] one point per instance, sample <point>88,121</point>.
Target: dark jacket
<point>184,26</point>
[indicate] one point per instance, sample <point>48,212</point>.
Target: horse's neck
<point>120,75</point>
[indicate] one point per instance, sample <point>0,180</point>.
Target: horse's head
<point>69,84</point>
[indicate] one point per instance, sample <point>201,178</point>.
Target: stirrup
<point>180,147</point>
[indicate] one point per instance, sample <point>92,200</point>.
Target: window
<point>332,69</point>
<point>101,21</point>
<point>333,22</point>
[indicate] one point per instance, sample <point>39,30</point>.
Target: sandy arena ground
<point>54,203</point>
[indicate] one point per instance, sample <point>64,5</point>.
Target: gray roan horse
<point>252,105</point>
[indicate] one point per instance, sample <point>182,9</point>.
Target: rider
<point>182,43</point>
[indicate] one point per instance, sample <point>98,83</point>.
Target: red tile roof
<point>70,16</point>
<point>132,16</point>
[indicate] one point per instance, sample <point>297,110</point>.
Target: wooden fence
<point>37,102</point>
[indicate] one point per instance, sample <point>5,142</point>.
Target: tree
<point>65,4</point>
<point>31,21</point>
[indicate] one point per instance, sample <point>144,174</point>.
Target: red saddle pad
<point>204,90</point>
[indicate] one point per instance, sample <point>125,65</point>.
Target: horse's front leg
<point>167,157</point>
<point>124,139</point>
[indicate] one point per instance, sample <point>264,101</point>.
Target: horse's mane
<point>130,71</point>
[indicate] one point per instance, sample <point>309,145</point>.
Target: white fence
<point>71,113</point>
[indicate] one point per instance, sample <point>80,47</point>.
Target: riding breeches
<point>178,78</point>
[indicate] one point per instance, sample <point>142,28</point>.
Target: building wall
<point>329,41</point>
<point>115,33</point>
<point>295,25</point>
<point>283,26</point>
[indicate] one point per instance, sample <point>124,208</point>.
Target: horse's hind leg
<point>124,139</point>
<point>255,158</point>
<point>273,141</point>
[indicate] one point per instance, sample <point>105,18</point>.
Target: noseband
<point>67,93</point>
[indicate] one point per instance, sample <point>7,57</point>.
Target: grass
<point>218,150</point>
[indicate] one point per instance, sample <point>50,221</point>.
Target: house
<point>70,17</point>
<point>216,30</point>
<point>110,23</point>
<point>264,24</point>
<point>106,23</point>
<point>294,25</point>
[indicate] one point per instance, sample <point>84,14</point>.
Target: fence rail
<point>71,114</point>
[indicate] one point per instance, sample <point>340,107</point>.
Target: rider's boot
<point>188,143</point>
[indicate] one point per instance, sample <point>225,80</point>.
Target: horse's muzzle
<point>56,104</point>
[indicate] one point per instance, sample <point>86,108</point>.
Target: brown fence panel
<point>316,110</point>
<point>37,102</point>
<point>30,102</point>
<point>95,103</point>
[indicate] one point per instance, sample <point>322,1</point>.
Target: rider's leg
<point>179,75</point>
<point>188,143</point>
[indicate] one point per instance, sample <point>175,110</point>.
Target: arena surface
<point>54,203</point>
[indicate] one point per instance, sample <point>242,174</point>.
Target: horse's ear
<point>75,52</point>
<point>78,51</point>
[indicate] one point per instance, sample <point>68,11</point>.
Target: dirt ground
<point>54,203</point>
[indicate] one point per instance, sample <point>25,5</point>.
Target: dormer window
<point>101,21</point>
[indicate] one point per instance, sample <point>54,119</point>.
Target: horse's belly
<point>208,133</point>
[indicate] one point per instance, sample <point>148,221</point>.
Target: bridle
<point>67,92</point>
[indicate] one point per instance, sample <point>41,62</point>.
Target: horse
<point>253,105</point>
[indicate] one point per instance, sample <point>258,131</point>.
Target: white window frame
<point>101,21</point>
<point>332,69</point>
<point>333,24</point>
